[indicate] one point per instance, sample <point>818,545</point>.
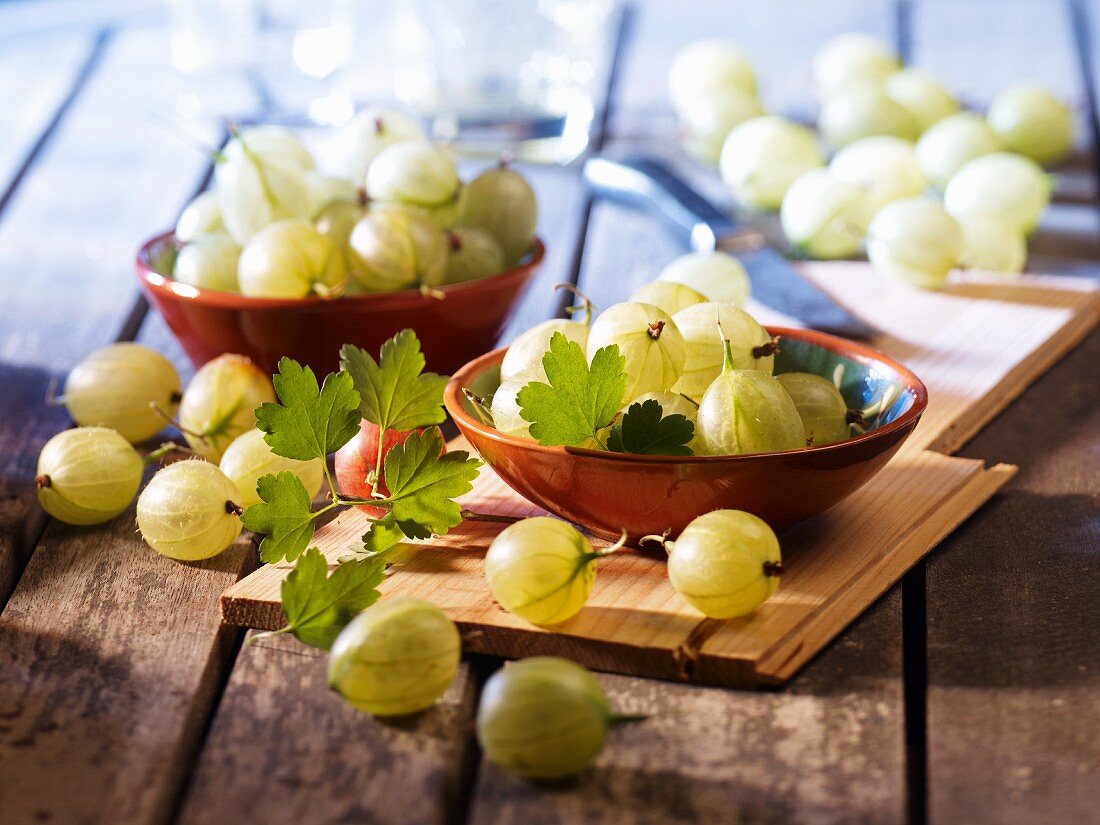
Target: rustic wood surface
<point>968,694</point>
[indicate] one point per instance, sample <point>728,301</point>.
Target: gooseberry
<point>87,475</point>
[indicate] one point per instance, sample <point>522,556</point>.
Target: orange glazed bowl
<point>462,324</point>
<point>608,492</point>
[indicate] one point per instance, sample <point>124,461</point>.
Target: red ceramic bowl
<point>464,323</point>
<point>607,492</point>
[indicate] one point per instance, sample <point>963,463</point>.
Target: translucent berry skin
<point>502,202</point>
<point>820,406</point>
<point>725,563</point>
<point>647,338</point>
<point>290,259</point>
<point>87,475</point>
<point>926,98</point>
<point>885,167</point>
<point>114,387</point>
<point>395,658</point>
<point>864,112</point>
<point>249,458</point>
<point>474,255</point>
<point>525,354</point>
<point>916,241</point>
<point>335,222</point>
<point>361,140</point>
<point>704,353</point>
<point>261,179</point>
<point>762,157</point>
<point>322,190</point>
<point>667,295</point>
<point>1033,122</point>
<point>991,245</point>
<point>541,569</point>
<point>1006,186</point>
<point>542,718</point>
<point>824,217</point>
<point>505,404</point>
<point>706,71</point>
<point>852,59</point>
<point>707,122</point>
<point>716,276</point>
<point>413,172</point>
<point>395,248</point>
<point>188,511</point>
<point>951,143</point>
<point>748,411</point>
<point>209,262</point>
<point>220,403</point>
<point>200,217</point>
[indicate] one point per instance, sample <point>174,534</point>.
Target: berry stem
<point>655,329</point>
<point>586,303</point>
<point>473,515</point>
<point>764,350</point>
<point>234,509</point>
<point>773,568</point>
<point>42,482</point>
<point>481,411</point>
<point>203,437</point>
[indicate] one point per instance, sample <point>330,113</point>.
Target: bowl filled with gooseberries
<point>281,258</point>
<point>676,403</point>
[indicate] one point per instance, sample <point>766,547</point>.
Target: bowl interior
<point>869,383</point>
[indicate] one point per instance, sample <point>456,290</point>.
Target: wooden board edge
<point>782,664</point>
<point>1019,378</point>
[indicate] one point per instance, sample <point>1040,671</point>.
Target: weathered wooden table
<point>970,693</point>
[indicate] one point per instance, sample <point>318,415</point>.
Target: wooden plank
<point>836,565</point>
<point>39,77</point>
<point>284,748</point>
<point>1013,664</point>
<point>828,749</point>
<point>102,706</point>
<point>111,656</point>
<point>107,177</point>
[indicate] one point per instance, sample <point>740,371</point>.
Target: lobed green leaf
<point>309,422</point>
<point>646,430</point>
<point>318,606</point>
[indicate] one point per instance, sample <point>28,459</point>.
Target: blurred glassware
<point>289,54</point>
<point>494,75</point>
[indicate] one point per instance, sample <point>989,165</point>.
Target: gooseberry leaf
<point>384,534</point>
<point>579,400</point>
<point>423,483</point>
<point>318,605</point>
<point>395,392</point>
<point>285,515</point>
<point>647,430</point>
<point>309,422</point>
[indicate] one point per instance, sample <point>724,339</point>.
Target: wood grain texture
<point>107,176</point>
<point>1013,662</point>
<point>828,749</point>
<point>835,566</point>
<point>111,655</point>
<point>284,748</point>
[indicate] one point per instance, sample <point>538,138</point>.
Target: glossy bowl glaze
<point>462,324</point>
<point>607,492</point>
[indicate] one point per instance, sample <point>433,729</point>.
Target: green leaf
<point>423,484</point>
<point>384,534</point>
<point>318,606</point>
<point>310,422</point>
<point>285,515</point>
<point>395,392</point>
<point>646,430</point>
<point>579,401</point>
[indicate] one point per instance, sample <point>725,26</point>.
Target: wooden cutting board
<point>976,345</point>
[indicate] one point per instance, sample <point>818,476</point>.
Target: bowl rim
<point>452,399</point>
<point>399,299</point>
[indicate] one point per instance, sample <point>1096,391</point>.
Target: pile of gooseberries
<point>687,344</point>
<point>898,134</point>
<point>124,395</point>
<point>390,213</point>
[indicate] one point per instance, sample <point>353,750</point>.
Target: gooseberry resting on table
<point>189,511</point>
<point>762,157</point>
<point>825,217</point>
<point>915,240</point>
<point>220,402</point>
<point>87,475</point>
